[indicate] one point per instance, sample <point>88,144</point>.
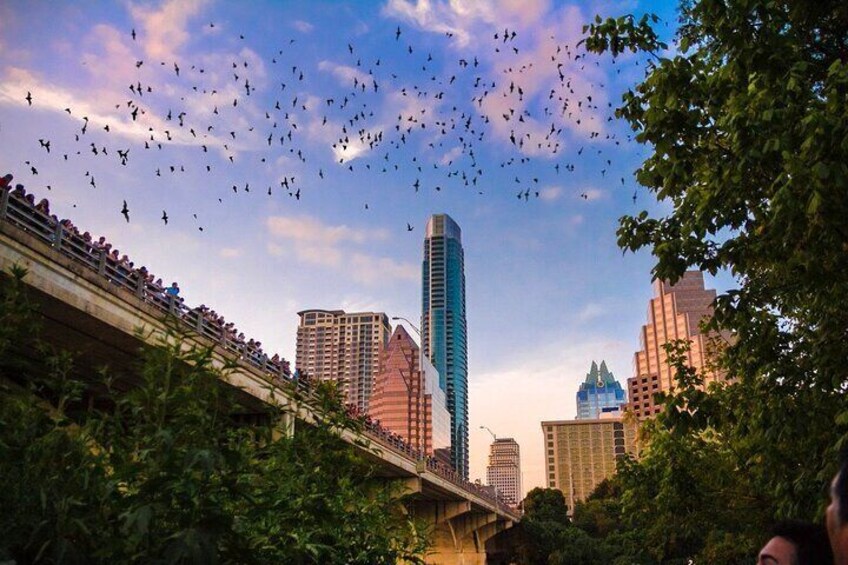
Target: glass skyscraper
<point>443,328</point>
<point>599,393</point>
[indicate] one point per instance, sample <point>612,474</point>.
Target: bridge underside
<point>98,322</point>
<point>96,346</point>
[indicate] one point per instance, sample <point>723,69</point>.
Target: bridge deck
<point>96,306</point>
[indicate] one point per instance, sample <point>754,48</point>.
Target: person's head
<point>837,512</point>
<point>796,543</point>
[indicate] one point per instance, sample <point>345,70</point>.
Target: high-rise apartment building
<point>599,393</point>
<point>674,312</point>
<point>334,345</point>
<point>407,398</point>
<point>504,470</point>
<point>443,327</point>
<point>579,454</point>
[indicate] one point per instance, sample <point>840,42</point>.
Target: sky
<point>298,148</point>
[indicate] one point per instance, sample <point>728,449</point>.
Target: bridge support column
<point>404,487</point>
<point>461,538</point>
<point>285,426</point>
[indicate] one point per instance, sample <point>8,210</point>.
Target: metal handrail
<point>20,213</point>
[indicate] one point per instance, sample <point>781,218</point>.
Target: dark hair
<point>810,540</point>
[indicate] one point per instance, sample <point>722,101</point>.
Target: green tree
<point>747,123</point>
<point>546,504</point>
<point>599,515</point>
<point>152,467</point>
<point>544,526</point>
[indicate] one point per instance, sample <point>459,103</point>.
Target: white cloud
<point>346,74</point>
<point>591,311</point>
<point>541,33</point>
<point>593,194</point>
<point>305,229</point>
<point>302,26</point>
<point>369,270</point>
<point>550,193</point>
<point>451,155</point>
<point>437,18</point>
<point>463,19</point>
<point>313,242</point>
<point>360,304</point>
<point>99,107</point>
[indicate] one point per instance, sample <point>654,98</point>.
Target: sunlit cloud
<point>306,229</point>
<point>311,241</point>
<point>462,20</point>
<point>163,30</point>
<point>532,69</point>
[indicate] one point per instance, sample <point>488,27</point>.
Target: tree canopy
<point>746,120</point>
<point>93,471</point>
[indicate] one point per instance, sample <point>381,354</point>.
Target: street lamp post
<point>413,326</point>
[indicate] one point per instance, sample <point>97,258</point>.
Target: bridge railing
<point>19,212</point>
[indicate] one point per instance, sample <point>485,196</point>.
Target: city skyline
<point>548,289</point>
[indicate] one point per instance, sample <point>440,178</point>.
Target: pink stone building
<point>674,312</point>
<point>407,400</point>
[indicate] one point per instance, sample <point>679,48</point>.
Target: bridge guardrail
<point>19,212</point>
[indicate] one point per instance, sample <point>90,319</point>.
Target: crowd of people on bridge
<point>120,270</point>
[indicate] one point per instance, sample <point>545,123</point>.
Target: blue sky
<point>548,291</point>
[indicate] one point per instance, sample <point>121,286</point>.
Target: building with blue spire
<point>599,393</point>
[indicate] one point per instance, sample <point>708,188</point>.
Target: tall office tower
<point>443,328</point>
<point>334,345</point>
<point>674,313</point>
<point>504,470</point>
<point>582,453</point>
<point>599,393</point>
<point>407,399</point>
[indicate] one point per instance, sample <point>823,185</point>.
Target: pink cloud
<point>163,30</point>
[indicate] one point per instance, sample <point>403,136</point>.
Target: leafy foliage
<point>748,123</point>
<point>163,472</point>
<point>545,524</point>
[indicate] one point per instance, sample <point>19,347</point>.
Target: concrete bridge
<point>95,306</point>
